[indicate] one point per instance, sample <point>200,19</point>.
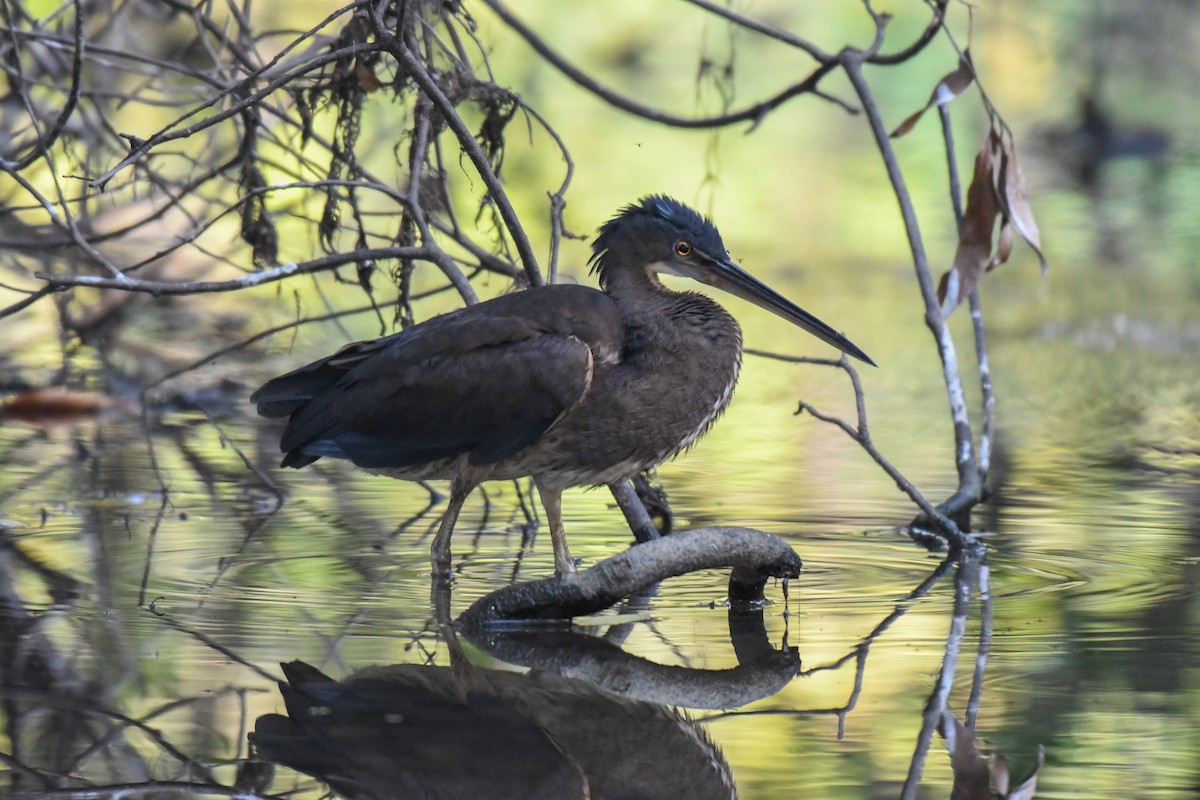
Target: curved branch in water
<point>754,556</point>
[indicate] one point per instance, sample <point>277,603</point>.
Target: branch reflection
<point>569,713</point>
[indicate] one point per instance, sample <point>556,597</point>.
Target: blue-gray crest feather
<point>680,219</point>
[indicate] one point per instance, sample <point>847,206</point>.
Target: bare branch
<point>161,288</point>
<point>770,31</point>
<point>753,114</point>
<point>47,141</point>
<point>142,147</point>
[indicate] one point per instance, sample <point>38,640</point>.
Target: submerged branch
<point>754,556</point>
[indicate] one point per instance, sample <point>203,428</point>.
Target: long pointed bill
<point>726,275</point>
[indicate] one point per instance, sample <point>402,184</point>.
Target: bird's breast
<point>676,375</point>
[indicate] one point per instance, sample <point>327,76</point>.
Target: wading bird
<point>566,384</point>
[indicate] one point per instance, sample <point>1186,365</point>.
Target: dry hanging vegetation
<point>167,149</point>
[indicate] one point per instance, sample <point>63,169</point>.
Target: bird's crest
<point>689,224</point>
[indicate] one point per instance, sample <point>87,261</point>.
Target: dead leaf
<point>974,251</point>
<point>1015,201</point>
<point>997,191</point>
<point>1003,246</point>
<point>909,123</point>
<point>366,78</point>
<point>947,287</point>
<point>50,406</point>
<point>1000,773</point>
<point>1028,786</point>
<point>948,88</point>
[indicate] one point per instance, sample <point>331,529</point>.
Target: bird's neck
<point>688,323</point>
<point>635,289</point>
<point>679,364</point>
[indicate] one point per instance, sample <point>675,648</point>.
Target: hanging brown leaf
<point>1015,201</point>
<point>367,81</point>
<point>1003,246</point>
<point>948,88</point>
<point>997,191</point>
<point>974,251</point>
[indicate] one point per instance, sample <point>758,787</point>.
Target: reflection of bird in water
<point>566,384</point>
<point>408,731</point>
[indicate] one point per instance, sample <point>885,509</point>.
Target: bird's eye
<point>683,248</point>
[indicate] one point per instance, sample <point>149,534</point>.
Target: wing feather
<point>486,381</point>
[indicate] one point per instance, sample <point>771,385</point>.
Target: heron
<point>566,384</point>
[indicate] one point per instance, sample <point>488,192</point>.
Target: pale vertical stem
<point>985,387</point>
<point>965,578</point>
<point>988,397</point>
<point>956,200</point>
<point>985,646</point>
<point>964,451</point>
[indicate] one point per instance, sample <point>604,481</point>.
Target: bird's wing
<point>488,381</point>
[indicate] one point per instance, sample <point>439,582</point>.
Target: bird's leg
<point>635,511</point>
<point>439,551</point>
<point>552,502</point>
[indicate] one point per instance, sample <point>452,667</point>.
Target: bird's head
<point>658,234</point>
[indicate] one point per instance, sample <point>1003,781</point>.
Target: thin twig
<point>977,324</point>
<point>769,31</point>
<point>163,288</point>
<point>753,114</point>
<point>60,122</point>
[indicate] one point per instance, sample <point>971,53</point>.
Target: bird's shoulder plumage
<point>486,380</point>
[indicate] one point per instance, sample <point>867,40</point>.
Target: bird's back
<point>482,382</point>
